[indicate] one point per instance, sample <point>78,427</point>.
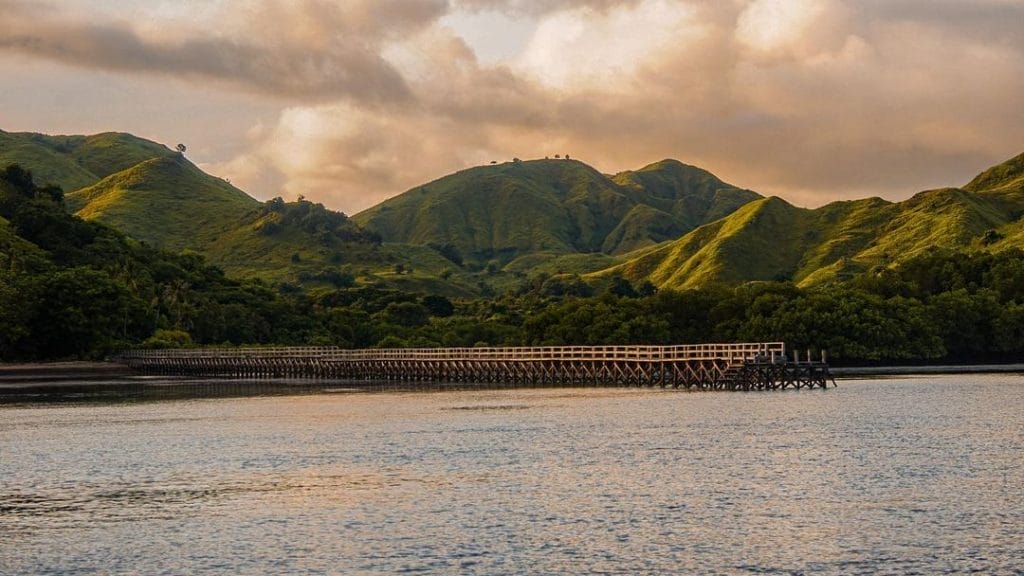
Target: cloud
<point>299,50</point>
<point>771,26</point>
<point>809,99</point>
<point>351,158</point>
<point>590,47</point>
<point>538,7</point>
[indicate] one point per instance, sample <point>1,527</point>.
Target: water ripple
<point>905,476</point>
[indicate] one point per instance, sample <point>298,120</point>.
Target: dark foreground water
<point>898,476</point>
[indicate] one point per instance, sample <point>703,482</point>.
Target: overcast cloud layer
<point>354,101</point>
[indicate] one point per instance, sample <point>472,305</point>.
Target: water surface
<point>893,476</point>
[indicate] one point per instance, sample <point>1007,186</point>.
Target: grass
<point>771,240</point>
<point>1005,177</point>
<point>76,162</point>
<point>673,224</point>
<point>157,196</point>
<point>504,212</point>
<point>111,152</point>
<point>48,166</point>
<point>167,202</point>
<point>692,195</point>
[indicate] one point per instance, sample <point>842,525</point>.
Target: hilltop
<point>156,195</point>
<point>74,162</point>
<point>770,239</point>
<point>491,228</point>
<point>552,208</point>
<point>166,201</point>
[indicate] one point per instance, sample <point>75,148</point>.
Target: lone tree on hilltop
<point>181,148</point>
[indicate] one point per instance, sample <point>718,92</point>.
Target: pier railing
<point>731,353</point>
<point>748,366</point>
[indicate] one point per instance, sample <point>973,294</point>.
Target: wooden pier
<point>756,366</point>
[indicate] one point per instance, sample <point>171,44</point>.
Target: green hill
<point>552,207</point>
<point>490,227</point>
<point>692,195</point>
<point>1007,177</point>
<point>170,203</point>
<point>157,196</point>
<point>165,201</point>
<point>74,162</point>
<point>770,239</point>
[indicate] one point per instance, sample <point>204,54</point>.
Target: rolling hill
<point>165,201</point>
<point>543,209</point>
<point>74,162</point>
<point>770,239</point>
<point>156,195</point>
<point>489,227</point>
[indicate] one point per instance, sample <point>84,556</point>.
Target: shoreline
<point>61,372</point>
<point>855,371</point>
<point>58,375</point>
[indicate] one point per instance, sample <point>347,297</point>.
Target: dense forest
<point>76,289</point>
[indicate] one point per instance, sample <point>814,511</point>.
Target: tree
<point>80,314</point>
<point>18,300</point>
<point>438,305</point>
<point>621,287</point>
<point>408,314</point>
<point>181,148</point>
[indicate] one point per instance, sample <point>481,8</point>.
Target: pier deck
<point>752,366</point>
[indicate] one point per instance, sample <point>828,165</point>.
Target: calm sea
<point>892,476</point>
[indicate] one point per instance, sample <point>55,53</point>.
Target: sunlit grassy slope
<point>770,239</point>
<point>489,227</point>
<point>549,208</point>
<point>74,162</point>
<point>156,195</point>
<point>49,165</point>
<point>165,201</point>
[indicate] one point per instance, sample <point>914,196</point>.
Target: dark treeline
<point>76,289</point>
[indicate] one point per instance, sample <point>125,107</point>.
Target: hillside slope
<point>167,202</point>
<point>156,195</point>
<point>74,162</point>
<point>770,239</point>
<point>552,207</point>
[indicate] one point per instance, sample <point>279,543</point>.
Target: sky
<point>353,101</point>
